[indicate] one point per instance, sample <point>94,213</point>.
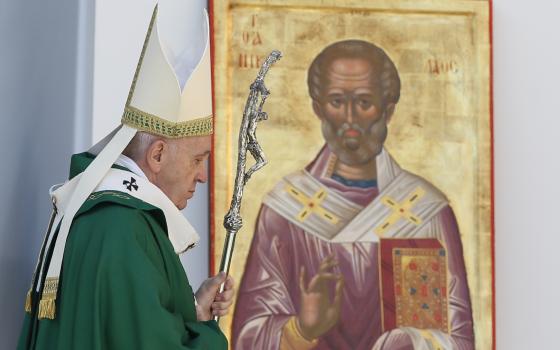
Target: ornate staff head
<point>252,114</point>
<point>247,142</point>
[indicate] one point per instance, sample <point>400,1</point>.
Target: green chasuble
<point>122,285</point>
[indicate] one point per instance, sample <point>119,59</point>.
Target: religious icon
<point>372,228</point>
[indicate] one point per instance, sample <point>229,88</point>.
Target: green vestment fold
<point>122,285</point>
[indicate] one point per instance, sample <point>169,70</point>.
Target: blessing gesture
<point>319,310</point>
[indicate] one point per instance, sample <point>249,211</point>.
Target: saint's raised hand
<point>319,311</point>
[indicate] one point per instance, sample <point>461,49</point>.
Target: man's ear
<point>155,155</point>
<point>317,109</point>
<point>389,110</point>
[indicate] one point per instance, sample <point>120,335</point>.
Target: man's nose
<point>202,175</point>
<point>349,111</point>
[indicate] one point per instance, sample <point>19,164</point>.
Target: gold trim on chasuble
<point>96,195</point>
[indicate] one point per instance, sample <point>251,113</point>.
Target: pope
<point>108,275</point>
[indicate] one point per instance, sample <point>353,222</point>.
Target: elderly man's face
<point>353,122</point>
<point>184,168</point>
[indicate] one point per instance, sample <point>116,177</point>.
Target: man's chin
<point>182,205</point>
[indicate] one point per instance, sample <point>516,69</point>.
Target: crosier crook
<point>247,142</point>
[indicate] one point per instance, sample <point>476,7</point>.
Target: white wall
<point>527,147</point>
<point>120,29</point>
<point>45,96</point>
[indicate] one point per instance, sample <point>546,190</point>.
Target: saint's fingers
<point>327,260</point>
<point>338,292</point>
<point>321,278</point>
<point>326,267</point>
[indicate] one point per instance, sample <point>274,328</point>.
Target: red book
<point>413,274</point>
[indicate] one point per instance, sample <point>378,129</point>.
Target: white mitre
<point>170,96</point>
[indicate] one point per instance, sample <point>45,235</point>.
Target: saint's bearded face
<point>352,120</point>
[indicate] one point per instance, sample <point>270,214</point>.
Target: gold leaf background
<point>440,130</point>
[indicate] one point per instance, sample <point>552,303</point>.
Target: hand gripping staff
<point>247,142</point>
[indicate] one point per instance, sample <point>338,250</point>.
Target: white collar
<point>131,165</point>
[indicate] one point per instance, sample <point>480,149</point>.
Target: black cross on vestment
<point>130,184</point>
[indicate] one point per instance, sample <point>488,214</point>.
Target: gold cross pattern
<point>400,210</point>
<point>312,205</point>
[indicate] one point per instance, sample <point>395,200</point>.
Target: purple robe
<point>269,292</point>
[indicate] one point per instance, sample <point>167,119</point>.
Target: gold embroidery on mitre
<point>400,210</point>
<point>47,306</point>
<point>312,205</point>
<point>153,124</point>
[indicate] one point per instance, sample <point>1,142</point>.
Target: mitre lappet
<point>170,96</point>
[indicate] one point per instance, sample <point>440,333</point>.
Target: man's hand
<point>210,302</point>
<point>318,312</point>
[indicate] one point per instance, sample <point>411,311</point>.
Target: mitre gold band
<point>153,124</point>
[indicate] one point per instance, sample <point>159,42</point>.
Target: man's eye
<point>336,102</point>
<point>364,103</point>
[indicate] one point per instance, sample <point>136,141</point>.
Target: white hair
<point>138,146</point>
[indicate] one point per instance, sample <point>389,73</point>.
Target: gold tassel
<point>47,309</point>
<point>47,305</point>
<point>28,302</point>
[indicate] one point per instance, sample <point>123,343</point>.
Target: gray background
<point>46,77</point>
<point>45,95</point>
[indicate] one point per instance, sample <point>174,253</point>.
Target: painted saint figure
<point>312,277</point>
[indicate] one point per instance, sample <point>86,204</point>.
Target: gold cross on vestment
<point>400,210</point>
<point>312,204</point>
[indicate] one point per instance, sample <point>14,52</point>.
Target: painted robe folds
<point>269,294</point>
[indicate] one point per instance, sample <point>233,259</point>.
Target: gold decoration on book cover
<point>420,284</point>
